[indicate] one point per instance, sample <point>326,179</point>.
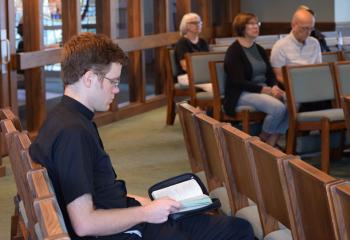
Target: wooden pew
<point>191,138</point>
<point>6,113</point>
<point>18,144</point>
<point>339,200</point>
<point>306,187</point>
<point>271,201</point>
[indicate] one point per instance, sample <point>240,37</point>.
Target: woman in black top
<point>190,28</point>
<point>251,81</point>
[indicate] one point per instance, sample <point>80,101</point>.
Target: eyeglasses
<point>196,22</point>
<point>114,81</point>
<point>306,29</point>
<point>253,24</point>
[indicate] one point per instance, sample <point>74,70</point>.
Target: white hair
<point>189,17</point>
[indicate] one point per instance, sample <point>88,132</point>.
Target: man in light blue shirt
<point>297,47</point>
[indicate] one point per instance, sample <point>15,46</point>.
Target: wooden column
<point>205,12</point>
<point>234,7</point>
<point>103,17</point>
<point>182,7</point>
<point>70,19</point>
<point>160,27</point>
<point>34,82</point>
<point>136,82</point>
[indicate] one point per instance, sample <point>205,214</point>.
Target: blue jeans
<point>276,120</point>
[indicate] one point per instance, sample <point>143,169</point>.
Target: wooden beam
<point>27,60</point>
<point>205,12</point>
<point>136,81</point>
<point>34,82</point>
<point>70,19</point>
<point>103,17</point>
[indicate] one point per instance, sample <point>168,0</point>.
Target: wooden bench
<point>37,220</point>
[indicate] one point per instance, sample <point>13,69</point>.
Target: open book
<point>189,193</point>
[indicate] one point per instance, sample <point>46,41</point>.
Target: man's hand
<point>158,210</point>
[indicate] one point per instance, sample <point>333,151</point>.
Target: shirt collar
<point>76,105</point>
<point>296,41</point>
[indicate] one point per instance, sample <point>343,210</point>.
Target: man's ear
<point>88,78</point>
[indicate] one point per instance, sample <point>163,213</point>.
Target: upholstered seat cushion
<point>204,95</point>
<point>336,114</point>
<point>251,214</point>
<point>250,108</point>
<point>284,234</point>
<point>180,86</point>
<point>221,194</point>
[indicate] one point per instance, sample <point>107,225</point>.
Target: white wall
<point>342,10</point>
<point>282,10</point>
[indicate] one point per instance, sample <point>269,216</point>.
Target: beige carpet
<point>143,150</point>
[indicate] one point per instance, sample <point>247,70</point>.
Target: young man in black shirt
<point>94,203</point>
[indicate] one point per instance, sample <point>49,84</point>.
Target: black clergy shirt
<point>69,146</point>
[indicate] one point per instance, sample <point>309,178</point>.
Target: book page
<point>180,191</point>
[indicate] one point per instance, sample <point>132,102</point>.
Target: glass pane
<point>148,17</point>
<point>172,16</point>
<point>88,15</point>
<point>52,23</point>
<point>149,71</point>
<point>120,19</point>
<point>123,95</point>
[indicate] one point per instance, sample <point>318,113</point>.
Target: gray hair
<point>185,20</point>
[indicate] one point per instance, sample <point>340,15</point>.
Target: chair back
<point>309,83</point>
<point>306,186</point>
<point>218,47</point>
<point>346,109</point>
<point>330,57</point>
<point>342,75</point>
<point>6,113</point>
<point>340,209</point>
<point>197,64</point>
<point>193,147</point>
<point>270,193</point>
<point>225,40</point>
<point>218,78</point>
<point>346,55</point>
<point>233,144</point>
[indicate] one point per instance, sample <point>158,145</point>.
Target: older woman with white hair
<point>190,28</point>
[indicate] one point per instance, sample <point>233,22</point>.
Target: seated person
<point>299,48</point>
<point>95,204</point>
<point>190,28</point>
<point>251,81</point>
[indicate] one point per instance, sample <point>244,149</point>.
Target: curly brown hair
<point>89,51</point>
<point>240,22</point>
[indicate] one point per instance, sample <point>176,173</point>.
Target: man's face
<point>106,88</point>
<point>303,27</point>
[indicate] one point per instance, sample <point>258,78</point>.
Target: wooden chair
<point>339,200</point>
<point>342,75</point>
<point>192,143</point>
<point>198,73</point>
<point>330,57</point>
<point>306,187</point>
<point>174,89</point>
<point>346,109</point>
<point>244,114</point>
<point>310,83</point>
<point>271,201</point>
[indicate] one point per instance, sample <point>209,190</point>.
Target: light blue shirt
<point>289,51</point>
